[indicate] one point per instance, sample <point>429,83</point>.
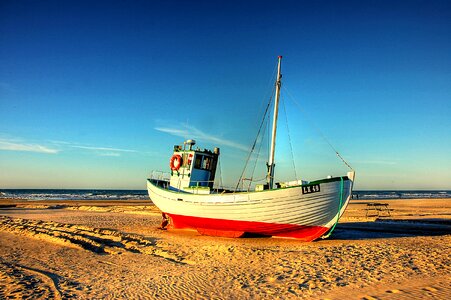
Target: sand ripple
<point>101,241</point>
<point>108,252</point>
<point>22,282</point>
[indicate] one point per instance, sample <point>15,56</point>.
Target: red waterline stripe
<point>233,228</point>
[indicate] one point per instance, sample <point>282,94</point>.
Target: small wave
<point>375,195</point>
<point>38,195</point>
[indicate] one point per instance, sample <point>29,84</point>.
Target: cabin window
<point>198,161</point>
<point>206,163</point>
<point>203,162</point>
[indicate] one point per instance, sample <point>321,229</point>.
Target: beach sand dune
<point>63,250</point>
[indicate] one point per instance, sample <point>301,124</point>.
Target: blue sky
<point>94,94</point>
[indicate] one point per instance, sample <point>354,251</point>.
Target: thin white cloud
<point>101,148</point>
<point>60,142</point>
<point>114,154</point>
<point>377,162</point>
<point>194,133</point>
<point>9,145</point>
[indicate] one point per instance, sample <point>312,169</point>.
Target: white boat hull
<point>305,212</point>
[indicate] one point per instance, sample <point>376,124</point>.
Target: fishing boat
<point>305,210</point>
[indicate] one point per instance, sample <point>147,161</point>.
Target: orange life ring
<point>176,162</point>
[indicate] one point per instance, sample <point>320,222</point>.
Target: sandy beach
<point>114,249</point>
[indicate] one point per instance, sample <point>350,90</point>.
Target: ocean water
<point>47,194</point>
<point>375,195</point>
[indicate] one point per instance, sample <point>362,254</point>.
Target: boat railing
<point>205,186</point>
<point>197,187</point>
<point>160,175</point>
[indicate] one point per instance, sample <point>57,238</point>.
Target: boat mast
<point>271,164</point>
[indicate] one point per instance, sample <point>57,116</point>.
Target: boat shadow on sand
<point>391,229</point>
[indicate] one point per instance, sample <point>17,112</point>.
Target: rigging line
<point>261,179</point>
<point>289,139</point>
<point>271,79</point>
<point>317,129</point>
<point>255,141</point>
<point>270,90</point>
<point>256,159</point>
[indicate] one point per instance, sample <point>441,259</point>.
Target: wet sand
<point>97,249</point>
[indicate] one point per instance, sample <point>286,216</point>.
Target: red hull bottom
<point>235,229</point>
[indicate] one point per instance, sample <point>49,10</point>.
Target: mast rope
<point>256,139</point>
<point>258,133</point>
<point>289,139</point>
<point>258,154</point>
<point>318,130</point>
<point>257,180</point>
